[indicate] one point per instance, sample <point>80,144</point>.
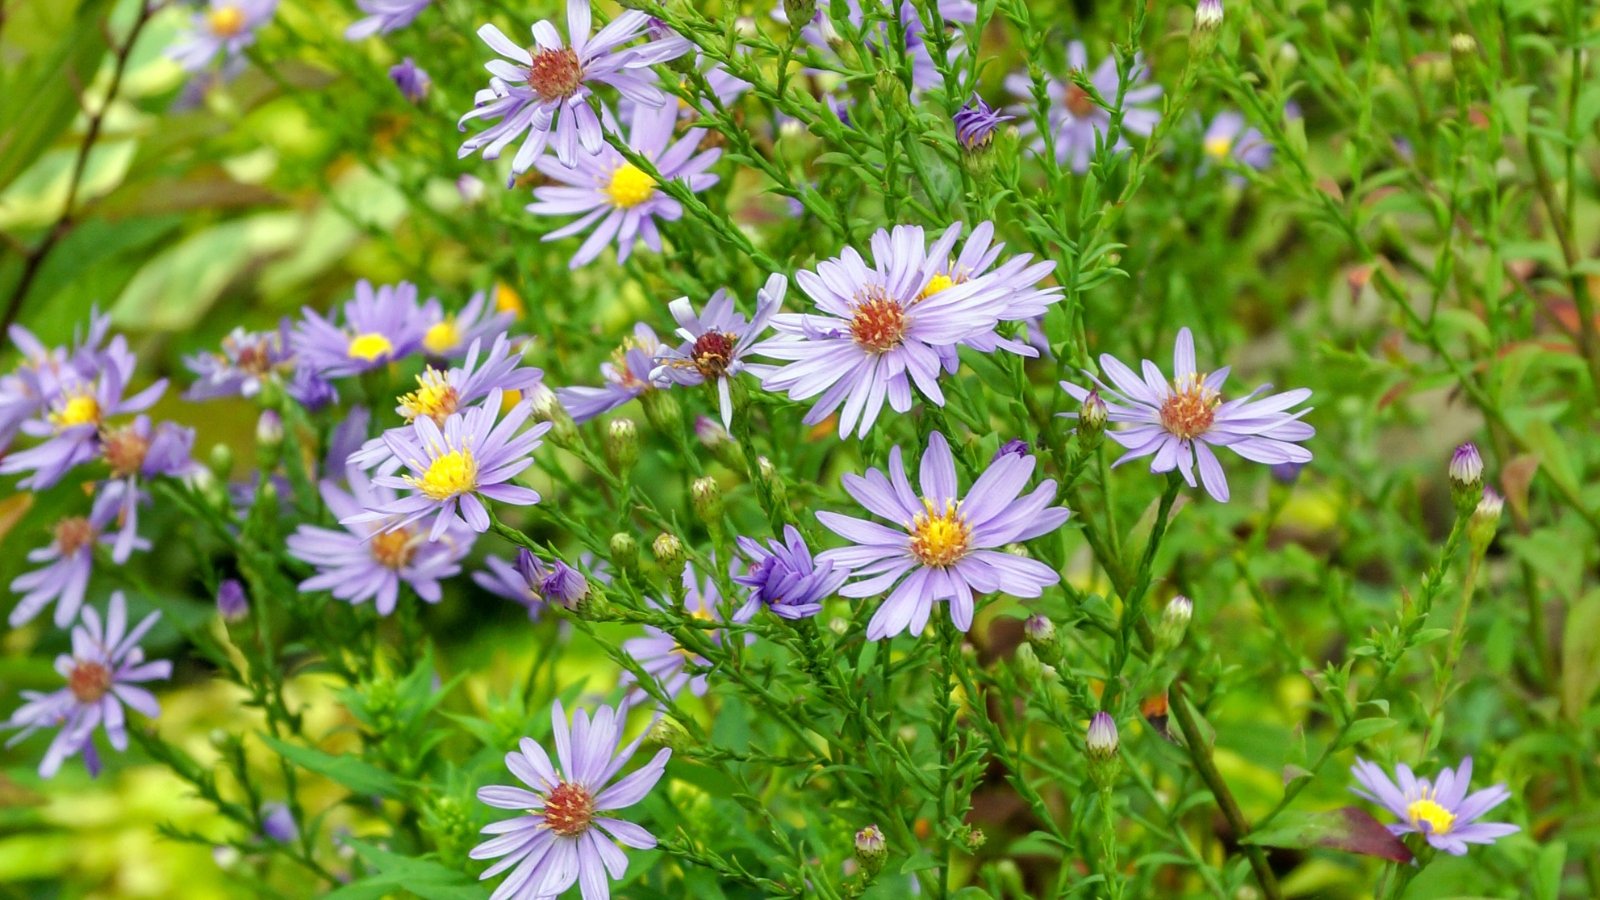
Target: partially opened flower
<point>942,547</point>
<point>976,123</point>
<point>616,198</point>
<point>784,578</point>
<point>384,16</point>
<point>533,584</point>
<point>379,325</point>
<point>103,672</point>
<point>1178,423</point>
<point>68,560</point>
<point>411,79</point>
<point>225,26</point>
<point>454,468</point>
<point>716,341</point>
<point>248,360</point>
<point>544,91</point>
<point>364,562</point>
<point>1013,287</point>
<point>451,334</point>
<point>1440,810</point>
<point>659,654</point>
<point>565,831</point>
<point>1229,137</point>
<point>627,376</point>
<point>1076,121</point>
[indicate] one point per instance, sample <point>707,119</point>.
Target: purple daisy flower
<point>944,547</point>
<point>865,344</point>
<point>1228,137</point>
<point>411,79</point>
<point>658,653</point>
<point>102,672</point>
<point>564,832</point>
<point>544,90</point>
<point>456,466</point>
<point>1014,286</point>
<point>1179,422</point>
<point>784,578</point>
<point>451,335</point>
<point>137,453</point>
<point>381,325</point>
<point>1441,811</point>
<point>1076,120</point>
<point>716,342</point>
<point>615,197</point>
<point>248,360</point>
<point>384,16</point>
<point>627,376</point>
<point>532,584</point>
<point>364,562</point>
<point>977,122</point>
<point>227,26</point>
<point>68,561</point>
<point>310,389</point>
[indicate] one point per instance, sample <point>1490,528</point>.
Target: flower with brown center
<point>554,74</point>
<point>569,809</point>
<point>878,323</point>
<point>1191,408</point>
<point>394,549</point>
<point>89,681</point>
<point>124,450</point>
<point>73,534</point>
<point>713,352</point>
<point>1078,102</point>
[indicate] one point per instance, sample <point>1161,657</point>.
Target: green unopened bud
<point>624,552</point>
<point>1174,622</point>
<point>1484,521</point>
<point>891,91</point>
<point>622,445</point>
<point>1092,417</point>
<point>670,554</point>
<point>1040,630</point>
<point>706,496</point>
<point>772,482</point>
<point>799,12</point>
<point>1466,477</point>
<point>871,850</point>
<point>547,408</point>
<point>662,409</point>
<point>220,461</point>
<point>667,732</point>
<point>1027,663</point>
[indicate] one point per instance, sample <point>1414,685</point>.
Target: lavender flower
<point>1076,120</point>
<point>976,124</point>
<point>456,466</point>
<point>451,335</point>
<point>1441,811</point>
<point>821,34</point>
<point>544,91</point>
<point>277,823</point>
<point>68,561</point>
<point>381,325</point>
<point>865,345</point>
<point>564,830</point>
<point>716,342</point>
<point>310,389</point>
<point>384,16</point>
<point>365,562</point>
<point>102,672</point>
<point>618,199</point>
<point>232,602</point>
<point>784,578</point>
<point>227,26</point>
<point>533,583</point>
<point>1229,137</point>
<point>1013,286</point>
<point>658,653</point>
<point>627,376</point>
<point>137,453</point>
<point>248,361</point>
<point>411,79</point>
<point>28,391</point>
<point>945,546</point>
<point>1180,422</point>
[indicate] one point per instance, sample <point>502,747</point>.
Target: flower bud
<point>1466,477</point>
<point>1174,622</point>
<point>1101,739</point>
<point>622,445</point>
<point>471,189</point>
<point>1027,662</point>
<point>232,604</point>
<point>706,496</point>
<point>547,408</point>
<point>799,12</point>
<point>1013,447</point>
<point>715,438</point>
<point>1092,418</point>
<point>1463,50</point>
<point>269,428</point>
<point>772,482</point>
<point>625,552</point>
<point>670,554</point>
<point>973,837</point>
<point>1208,15</point>
<point>278,823</point>
<point>662,409</point>
<point>667,732</point>
<point>1040,630</point>
<point>221,461</point>
<point>1485,520</point>
<point>871,850</point>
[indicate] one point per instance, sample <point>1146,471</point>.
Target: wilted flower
<point>227,26</point>
<point>627,376</point>
<point>716,341</point>
<point>784,578</point>
<point>411,79</point>
<point>945,547</point>
<point>380,325</point>
<point>247,362</point>
<point>1076,120</point>
<point>564,832</point>
<point>102,672</point>
<point>1441,811</point>
<point>384,16</point>
<point>1179,423</point>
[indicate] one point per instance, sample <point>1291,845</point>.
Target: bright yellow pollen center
<point>939,538</point>
<point>435,397</point>
<point>225,21</point>
<point>442,337</point>
<point>449,475</point>
<point>936,284</point>
<point>1218,147</point>
<point>506,300</point>
<point>630,186</point>
<point>80,409</point>
<point>369,346</point>
<point>1438,819</point>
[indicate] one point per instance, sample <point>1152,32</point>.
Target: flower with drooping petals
<point>380,325</point>
<point>1180,422</point>
<point>627,376</point>
<point>103,672</point>
<point>384,16</point>
<point>566,832</point>
<point>544,91</point>
<point>716,342</point>
<point>247,362</point>
<point>1440,810</point>
<point>784,578</point>
<point>1076,121</point>
<point>68,561</point>
<point>945,547</point>
<point>976,124</point>
<point>618,199</point>
<point>227,26</point>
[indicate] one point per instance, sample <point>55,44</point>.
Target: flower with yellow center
<point>939,282</point>
<point>507,300</point>
<point>939,538</point>
<point>1427,811</point>
<point>442,337</point>
<point>225,21</point>
<point>435,397</point>
<point>1218,147</point>
<point>629,186</point>
<point>449,475</point>
<point>369,346</point>
<point>80,409</point>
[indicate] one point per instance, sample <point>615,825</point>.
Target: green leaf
<point>1350,829</point>
<point>359,776</point>
<point>50,83</point>
<point>1580,654</point>
<point>424,878</point>
<point>1364,729</point>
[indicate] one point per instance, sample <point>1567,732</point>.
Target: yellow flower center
<point>369,346</point>
<point>442,337</point>
<point>80,409</point>
<point>936,284</point>
<point>449,475</point>
<point>629,186</point>
<point>1426,810</point>
<point>393,549</point>
<point>435,397</point>
<point>506,300</point>
<point>1191,408</point>
<point>1218,147</point>
<point>225,21</point>
<point>939,538</point>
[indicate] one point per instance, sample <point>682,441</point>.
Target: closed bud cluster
<point>706,496</point>
<point>871,850</point>
<point>670,554</point>
<point>1485,520</point>
<point>1174,622</point>
<point>622,445</point>
<point>1466,477</point>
